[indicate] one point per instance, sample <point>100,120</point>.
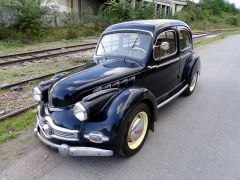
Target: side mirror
<point>164,46</point>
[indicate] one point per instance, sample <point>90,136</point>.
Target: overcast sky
<point>237,2</point>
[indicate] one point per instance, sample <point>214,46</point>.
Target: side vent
<point>116,84</point>
<point>97,89</point>
<point>107,86</point>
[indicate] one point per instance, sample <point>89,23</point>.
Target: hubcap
<point>137,130</point>
<point>193,83</point>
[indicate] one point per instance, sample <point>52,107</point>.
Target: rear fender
<point>193,66</point>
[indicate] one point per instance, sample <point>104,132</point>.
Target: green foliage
<point>144,11</point>
<point>118,11</point>
<point>232,20</point>
<point>11,127</point>
<point>123,10</point>
<point>9,34</point>
<point>71,22</point>
<point>29,17</point>
<point>32,18</point>
<point>208,12</point>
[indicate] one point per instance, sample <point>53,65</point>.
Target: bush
<point>71,22</point>
<point>29,19</point>
<point>8,34</point>
<point>118,11</point>
<point>233,20</point>
<point>144,11</point>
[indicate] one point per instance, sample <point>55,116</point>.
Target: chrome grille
<point>55,131</point>
<point>64,134</point>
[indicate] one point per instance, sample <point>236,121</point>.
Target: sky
<point>236,2</point>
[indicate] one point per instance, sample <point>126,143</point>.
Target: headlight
<point>37,94</point>
<point>79,111</point>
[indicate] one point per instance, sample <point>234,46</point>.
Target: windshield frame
<point>144,61</point>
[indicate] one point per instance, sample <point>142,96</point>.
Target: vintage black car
<point>108,106</point>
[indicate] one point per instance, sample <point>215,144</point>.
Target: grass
<point>33,70</point>
<point>12,127</point>
<point>17,46</point>
<point>209,40</point>
<point>201,26</point>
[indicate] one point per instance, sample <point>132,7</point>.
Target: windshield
<point>133,45</point>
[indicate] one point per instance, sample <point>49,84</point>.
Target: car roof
<point>147,25</point>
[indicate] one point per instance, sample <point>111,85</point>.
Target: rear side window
<point>184,39</point>
<point>165,45</point>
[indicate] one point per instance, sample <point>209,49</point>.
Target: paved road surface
<point>197,137</point>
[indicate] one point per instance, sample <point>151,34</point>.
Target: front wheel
<point>135,131</point>
<point>192,85</point>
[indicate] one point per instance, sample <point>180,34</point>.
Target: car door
<point>164,70</point>
<point>185,43</point>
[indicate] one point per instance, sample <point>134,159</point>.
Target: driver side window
<point>165,45</point>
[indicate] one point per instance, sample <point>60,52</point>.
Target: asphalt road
<point>196,137</point>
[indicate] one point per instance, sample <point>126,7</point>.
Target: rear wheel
<point>192,85</point>
<point>135,130</point>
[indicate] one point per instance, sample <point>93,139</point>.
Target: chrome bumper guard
<point>67,150</point>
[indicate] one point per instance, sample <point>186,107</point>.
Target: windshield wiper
<point>105,57</point>
<point>131,48</point>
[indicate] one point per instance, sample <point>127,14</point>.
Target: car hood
<point>73,87</point>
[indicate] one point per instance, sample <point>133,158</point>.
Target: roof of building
<point>147,25</point>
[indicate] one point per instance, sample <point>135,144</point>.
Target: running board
<point>173,97</point>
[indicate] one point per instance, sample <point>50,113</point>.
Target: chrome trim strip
<point>185,55</point>
<point>164,57</point>
<point>60,129</point>
<point>164,64</point>
<point>57,137</point>
<point>65,149</point>
<point>133,30</point>
<point>119,30</point>
<point>54,108</point>
<point>173,97</point>
<point>49,119</point>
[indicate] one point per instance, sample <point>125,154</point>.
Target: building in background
<point>79,6</point>
<point>166,7</point>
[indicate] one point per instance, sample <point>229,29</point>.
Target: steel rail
<point>45,50</point>
<point>46,53</point>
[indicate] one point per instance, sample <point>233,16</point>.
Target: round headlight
<point>37,94</point>
<point>79,111</point>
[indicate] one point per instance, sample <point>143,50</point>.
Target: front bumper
<point>67,150</point>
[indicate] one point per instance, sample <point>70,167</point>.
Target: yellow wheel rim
<point>137,130</point>
<point>193,83</point>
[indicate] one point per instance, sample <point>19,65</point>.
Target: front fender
<point>118,108</point>
<point>125,101</point>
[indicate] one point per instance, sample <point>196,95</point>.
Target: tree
<point>29,16</point>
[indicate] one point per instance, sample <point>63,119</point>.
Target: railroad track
<point>79,48</point>
<point>45,53</point>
